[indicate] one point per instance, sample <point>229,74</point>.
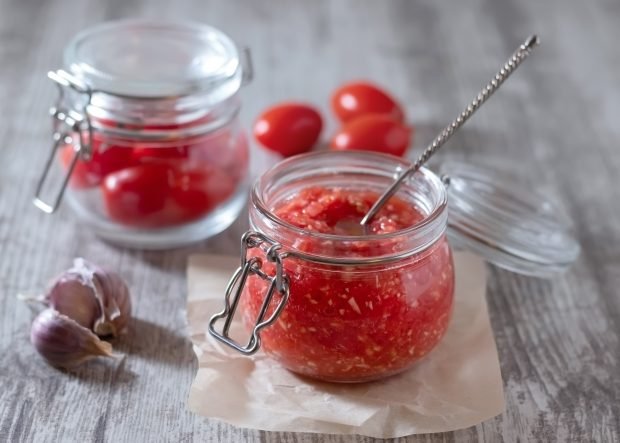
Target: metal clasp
<point>247,75</point>
<point>67,124</point>
<point>278,283</point>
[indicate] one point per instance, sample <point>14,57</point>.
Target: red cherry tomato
<point>139,196</point>
<point>160,194</point>
<point>373,132</point>
<point>288,128</point>
<point>105,159</point>
<point>197,192</point>
<point>355,99</point>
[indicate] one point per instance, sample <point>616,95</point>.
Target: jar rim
<point>196,127</point>
<point>430,227</point>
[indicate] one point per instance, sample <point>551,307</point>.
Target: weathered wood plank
<point>555,121</point>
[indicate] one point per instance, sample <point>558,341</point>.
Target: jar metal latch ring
<point>248,66</point>
<point>278,284</point>
<point>68,125</point>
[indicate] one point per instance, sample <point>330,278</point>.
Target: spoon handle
<point>499,78</point>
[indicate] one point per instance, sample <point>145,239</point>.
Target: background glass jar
<point>147,132</point>
<point>351,308</point>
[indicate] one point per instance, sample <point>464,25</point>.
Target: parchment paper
<point>456,386</point>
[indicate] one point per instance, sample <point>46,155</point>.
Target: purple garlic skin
<point>115,304</point>
<point>71,297</point>
<point>63,342</point>
<point>95,298</point>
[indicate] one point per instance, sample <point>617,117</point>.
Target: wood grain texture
<point>555,121</point>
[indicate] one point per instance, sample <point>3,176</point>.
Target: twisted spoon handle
<point>508,68</point>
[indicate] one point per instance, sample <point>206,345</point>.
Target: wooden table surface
<point>556,122</point>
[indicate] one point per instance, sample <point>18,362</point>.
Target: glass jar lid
<point>515,228</point>
<point>147,59</point>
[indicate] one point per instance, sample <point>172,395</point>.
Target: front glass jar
<point>332,301</point>
<point>351,306</point>
<point>147,132</point>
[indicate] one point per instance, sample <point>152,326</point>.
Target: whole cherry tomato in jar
<point>373,132</point>
<point>198,191</point>
<point>139,195</point>
<point>355,99</point>
<point>160,195</point>
<point>288,128</point>
<point>104,160</point>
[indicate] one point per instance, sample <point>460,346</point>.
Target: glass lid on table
<point>492,213</point>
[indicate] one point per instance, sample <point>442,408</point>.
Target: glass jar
<point>360,307</point>
<point>332,302</point>
<point>146,132</point>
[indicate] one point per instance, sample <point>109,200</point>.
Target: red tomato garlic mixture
<point>354,323</point>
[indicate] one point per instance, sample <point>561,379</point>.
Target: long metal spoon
<point>508,68</point>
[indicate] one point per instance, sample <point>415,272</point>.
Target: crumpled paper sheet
<point>456,386</point>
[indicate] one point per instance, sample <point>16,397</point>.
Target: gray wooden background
<point>557,122</point>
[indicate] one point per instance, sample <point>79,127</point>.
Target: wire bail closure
<point>278,283</point>
<point>67,125</point>
<point>247,65</point>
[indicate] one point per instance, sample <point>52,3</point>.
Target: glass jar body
<point>360,308</point>
<point>153,183</point>
<point>360,323</point>
<point>146,132</point>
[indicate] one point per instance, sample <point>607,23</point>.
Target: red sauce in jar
<point>354,323</point>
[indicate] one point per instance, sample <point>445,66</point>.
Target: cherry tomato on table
<point>288,128</point>
<point>352,100</point>
<point>373,132</point>
<point>162,194</point>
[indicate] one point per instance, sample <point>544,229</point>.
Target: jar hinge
<point>247,66</point>
<point>67,123</point>
<point>252,266</point>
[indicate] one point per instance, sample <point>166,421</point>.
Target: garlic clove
<point>115,304</point>
<point>97,299</point>
<point>63,342</point>
<point>71,297</point>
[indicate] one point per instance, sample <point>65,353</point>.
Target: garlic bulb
<point>96,299</point>
<point>63,342</point>
<point>84,301</point>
